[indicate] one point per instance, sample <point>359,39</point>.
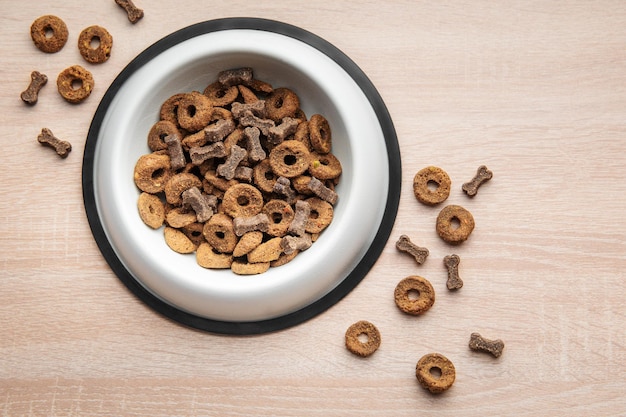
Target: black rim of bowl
<point>353,278</point>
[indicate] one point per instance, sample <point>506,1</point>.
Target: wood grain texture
<point>534,90</point>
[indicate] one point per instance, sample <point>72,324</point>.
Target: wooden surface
<point>535,90</point>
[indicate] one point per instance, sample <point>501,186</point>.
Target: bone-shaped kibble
<point>199,154</point>
<point>62,147</point>
<point>404,244</point>
<point>451,262</point>
<point>479,343</point>
<point>322,191</point>
<point>255,150</point>
<point>235,76</point>
<point>240,109</point>
<point>249,119</point>
<point>290,244</point>
<point>244,173</point>
<point>134,13</point>
<point>482,175</point>
<point>31,94</point>
<point>219,130</point>
<point>282,186</point>
<point>175,150</point>
<point>277,134</point>
<point>243,225</point>
<point>203,205</point>
<point>300,218</point>
<point>227,169</point>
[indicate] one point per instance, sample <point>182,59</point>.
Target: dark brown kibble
<point>404,244</point>
<point>480,344</point>
<point>62,147</point>
<point>175,151</point>
<point>323,192</point>
<point>31,94</point>
<point>482,176</point>
<point>134,13</point>
<point>451,262</point>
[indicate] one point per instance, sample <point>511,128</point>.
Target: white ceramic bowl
<point>328,83</point>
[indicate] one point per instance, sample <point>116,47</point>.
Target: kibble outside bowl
<point>328,83</point>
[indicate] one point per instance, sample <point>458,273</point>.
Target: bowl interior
<point>323,87</point>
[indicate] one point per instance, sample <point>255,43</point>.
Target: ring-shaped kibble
<point>414,295</point>
<point>178,184</point>
<point>169,109</point>
<point>219,232</point>
<point>289,159</point>
<point>152,171</point>
<point>303,133</point>
<point>194,111</point>
<point>151,210</point>
<point>242,200</point>
<point>75,84</point>
<point>320,216</point>
<point>454,224</point>
<point>435,372</point>
<point>220,95</point>
<point>280,214</point>
<point>264,177</point>
<point>194,232</point>
<point>49,33</point>
<point>320,134</point>
<point>94,44</point>
<point>301,184</point>
<point>362,329</point>
<point>158,132</point>
<point>324,166</point>
<point>435,178</point>
<point>300,115</point>
<point>281,103</point>
<point>220,113</point>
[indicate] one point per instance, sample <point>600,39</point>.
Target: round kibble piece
<point>281,103</point>
<point>362,329</point>
<point>152,171</point>
<point>245,268</point>
<point>414,295</point>
<point>247,242</point>
<point>194,111</point>
<point>324,166</point>
<point>169,109</point>
<point>264,177</point>
<point>320,216</point>
<point>220,95</point>
<point>289,159</point>
<point>220,233</point>
<point>49,33</point>
<point>94,44</point>
<point>194,232</point>
<point>75,84</point>
<point>151,210</point>
<point>158,132</point>
<point>425,179</point>
<point>319,134</point>
<point>454,224</point>
<point>207,257</point>
<point>435,372</point>
<point>242,200</point>
<point>177,241</point>
<point>179,217</point>
<point>178,184</point>
<point>280,214</point>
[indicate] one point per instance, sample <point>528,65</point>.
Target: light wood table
<point>534,90</point>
